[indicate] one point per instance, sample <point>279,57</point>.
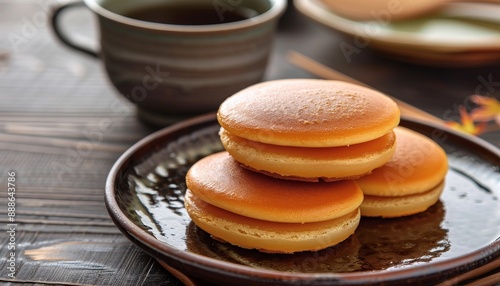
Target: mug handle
<point>56,27</point>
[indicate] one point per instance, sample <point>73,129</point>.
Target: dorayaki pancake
<point>310,164</point>
<point>410,182</point>
<point>266,236</point>
<point>397,206</point>
<point>220,181</point>
<point>418,165</point>
<point>308,113</point>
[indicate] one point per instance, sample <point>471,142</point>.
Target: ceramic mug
<point>173,71</point>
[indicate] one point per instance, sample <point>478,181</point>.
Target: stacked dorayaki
<point>304,160</point>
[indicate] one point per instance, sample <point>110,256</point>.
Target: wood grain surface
<point>62,126</point>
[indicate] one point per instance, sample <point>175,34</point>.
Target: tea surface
<point>187,14</point>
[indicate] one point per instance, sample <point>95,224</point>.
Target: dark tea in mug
<point>191,14</point>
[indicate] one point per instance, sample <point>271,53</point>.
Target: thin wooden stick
<point>186,280</point>
<point>325,72</point>
<point>478,272</point>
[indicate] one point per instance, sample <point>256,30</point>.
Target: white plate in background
<point>444,38</point>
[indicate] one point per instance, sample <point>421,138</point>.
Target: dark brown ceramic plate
<point>144,196</point>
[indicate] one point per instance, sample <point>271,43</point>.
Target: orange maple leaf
<point>466,123</point>
<point>489,109</point>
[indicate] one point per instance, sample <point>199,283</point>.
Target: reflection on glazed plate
<point>444,38</point>
<point>144,196</point>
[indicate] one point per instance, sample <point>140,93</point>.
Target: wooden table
<point>62,126</point>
